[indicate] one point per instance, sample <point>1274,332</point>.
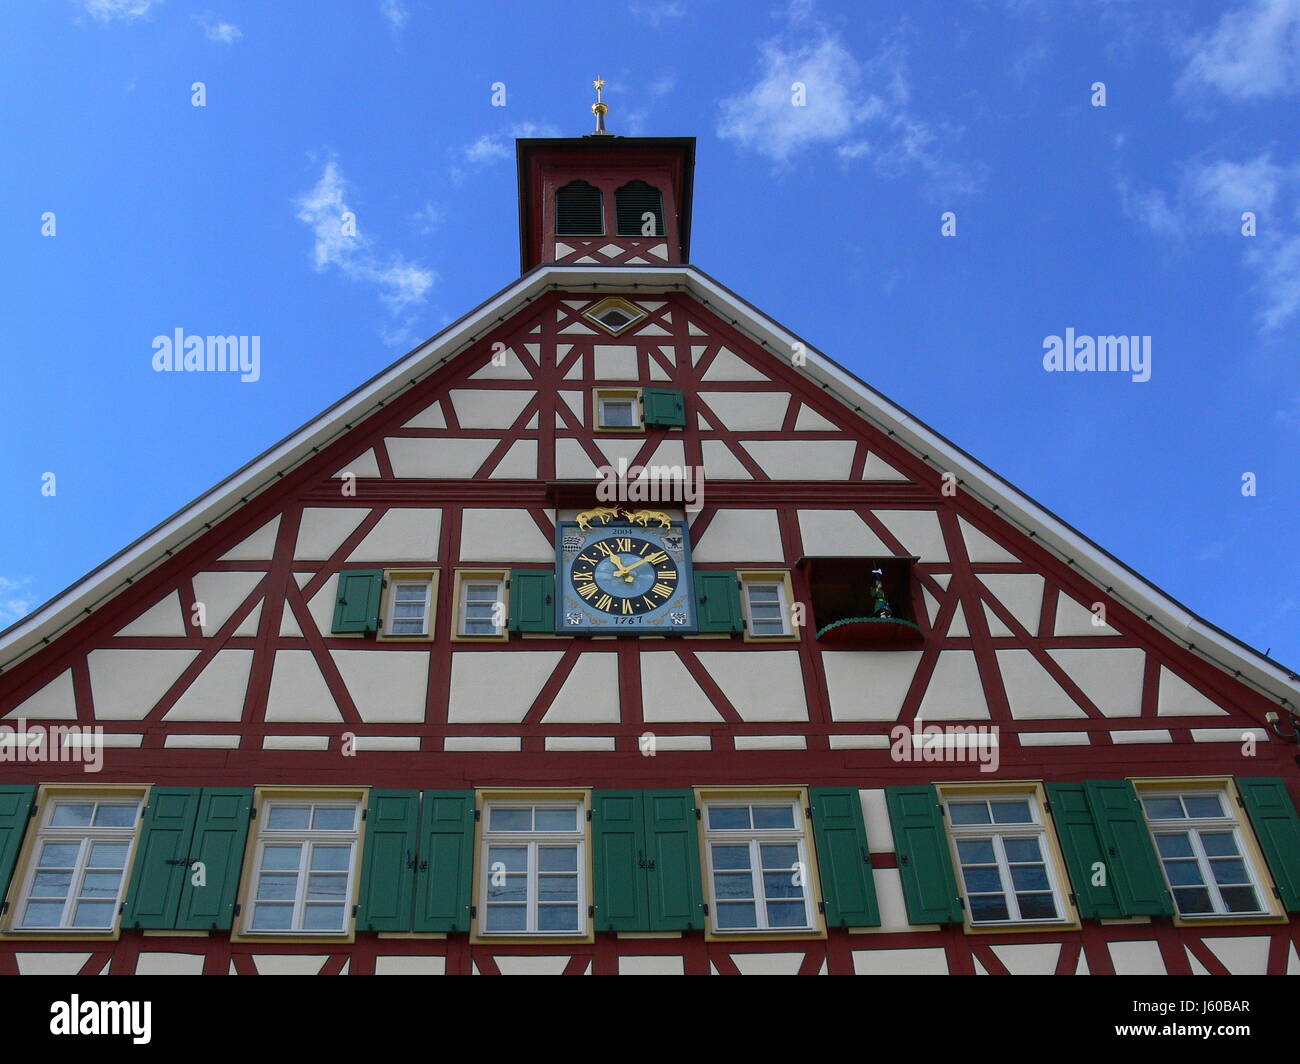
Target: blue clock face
<point>619,578</point>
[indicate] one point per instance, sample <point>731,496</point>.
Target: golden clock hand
<point>634,565</point>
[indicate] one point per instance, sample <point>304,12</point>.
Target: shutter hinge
<point>821,906</point>
<point>1277,893</point>
<point>1047,806</point>
<point>705,907</point>
<point>591,910</point>
<point>807,811</point>
<point>238,907</point>
<point>473,911</point>
<point>478,814</point>
<point>4,906</point>
<point>588,814</point>
<point>252,812</point>
<point>354,909</point>
<point>1239,801</point>
<point>363,813</point>
<point>1074,899</point>
<point>32,811</point>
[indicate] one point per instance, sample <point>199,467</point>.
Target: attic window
<point>640,210</point>
<point>614,315</point>
<point>862,599</point>
<point>578,210</point>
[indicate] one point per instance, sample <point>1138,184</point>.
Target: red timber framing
<point>559,359</point>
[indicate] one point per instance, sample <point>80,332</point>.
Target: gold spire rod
<point>600,109</point>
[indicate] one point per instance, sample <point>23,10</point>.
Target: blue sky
<point>1122,219</point>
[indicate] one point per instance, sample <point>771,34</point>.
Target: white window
<point>481,607</point>
<point>79,863</point>
<point>767,609</point>
<point>758,866</point>
<point>617,413</point>
<point>1200,847</point>
<point>408,607</point>
<point>532,873</point>
<point>304,867</point>
<point>1006,871</point>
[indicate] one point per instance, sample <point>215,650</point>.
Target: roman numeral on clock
<point>662,590</point>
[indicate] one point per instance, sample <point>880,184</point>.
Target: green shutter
<point>357,607</point>
<point>664,408</point>
<point>1081,844</point>
<point>15,811</point>
<point>618,834</point>
<point>220,832</point>
<point>924,861</point>
<point>445,863</point>
<point>1273,816</point>
<point>1126,840</point>
<point>717,601</point>
<point>388,869</point>
<point>673,861</point>
<point>843,857</point>
<point>166,837</point>
<point>532,600</point>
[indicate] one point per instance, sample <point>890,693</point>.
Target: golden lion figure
<point>603,514</point>
<point>644,517</point>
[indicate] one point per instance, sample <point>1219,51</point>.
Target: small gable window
<point>578,210</point>
<point>862,599</point>
<point>640,210</point>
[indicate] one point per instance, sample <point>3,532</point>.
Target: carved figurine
<point>644,517</point>
<point>880,606</point>
<point>603,514</point>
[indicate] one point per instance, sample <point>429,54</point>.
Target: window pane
<point>67,815</point>
<point>1022,850</point>
<point>1036,906</point>
<point>331,858</point>
<point>786,914</point>
<point>1240,899</point>
<point>115,816</point>
<point>773,816</point>
<point>42,914</point>
<point>323,918</point>
<point>781,885</point>
<point>1174,845</point>
<point>728,817</point>
<point>733,885</point>
<point>281,858</point>
<point>108,854</point>
<point>100,884</point>
<point>1203,805</point>
<point>1183,873</point>
<point>969,812</point>
<point>981,880</point>
<point>726,857</point>
<point>506,918</point>
<point>975,851</point>
<point>557,888</point>
<point>763,593</point>
<point>1163,808</point>
<point>276,887</point>
<point>326,886</point>
<point>272,917</point>
<point>510,819</point>
<point>617,413</point>
<point>1230,870</point>
<point>779,855</point>
<point>94,914</point>
<point>557,819</point>
<point>1030,877</point>
<point>1218,843</point>
<point>288,818</point>
<point>1014,812</point>
<point>558,859</point>
<point>557,918</point>
<point>1193,900</point>
<point>59,854</point>
<point>507,859</point>
<point>51,884</point>
<point>988,907</point>
<point>334,818</point>
<point>733,915</point>
<point>511,887</point>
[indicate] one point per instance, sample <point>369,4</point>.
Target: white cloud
<point>656,12</point>
<point>1253,52</point>
<point>220,32</point>
<point>427,219</point>
<point>813,92</point>
<point>108,10</point>
<point>396,13</point>
<point>401,283</point>
<point>495,147</point>
<point>14,603</point>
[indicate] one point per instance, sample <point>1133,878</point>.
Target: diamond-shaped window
<point>614,315</point>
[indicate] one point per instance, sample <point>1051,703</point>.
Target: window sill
<point>1023,929</point>
<point>1230,921</point>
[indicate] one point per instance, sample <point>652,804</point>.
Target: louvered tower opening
<point>578,210</point>
<point>634,201</point>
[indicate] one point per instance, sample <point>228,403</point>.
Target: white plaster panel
<point>321,605</point>
<point>403,534</point>
<point>954,691</point>
<point>410,965</point>
<point>651,966</point>
<point>577,402</point>
<point>55,701</point>
<point>298,690</point>
<point>222,594</point>
<point>169,964</point>
<point>721,463</point>
<point>580,742</point>
<point>518,463</point>
<point>740,537</point>
<point>1146,735</point>
<point>324,528</point>
<point>1074,738</point>
<point>217,693</point>
<point>259,547</point>
<point>811,421</point>
<point>589,693</point>
<point>875,816</point>
<point>839,532</point>
<point>1031,691</point>
<point>1073,618</point>
<point>572,462</point>
<point>858,742</point>
<point>1136,958</point>
<point>980,548</point>
<point>50,963</point>
<point>387,686</point>
<point>1110,676</point>
<point>1020,593</point>
<point>771,742</point>
<point>431,417</point>
<point>670,693</point>
<point>868,684</point>
<point>488,535</point>
<point>296,742</point>
<point>1037,958</point>
<point>615,362</point>
<point>481,742</point>
<point>768,963</point>
<point>363,465</point>
<point>202,742</point>
<point>763,685</point>
<point>741,411</point>
<point>288,963</point>
<point>514,367</point>
<point>803,459</point>
<point>497,686</point>
<point>531,965</point>
<point>1178,698</point>
<point>928,961</point>
<point>876,468</point>
<point>452,457</point>
<point>125,684</point>
<point>730,367</point>
<point>918,531</point>
<point>163,618</point>
<point>489,408</point>
<point>1241,956</point>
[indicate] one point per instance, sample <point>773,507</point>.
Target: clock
<point>623,572</point>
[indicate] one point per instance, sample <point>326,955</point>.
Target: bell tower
<point>603,199</point>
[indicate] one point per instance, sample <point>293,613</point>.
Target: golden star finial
<point>600,109</point>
